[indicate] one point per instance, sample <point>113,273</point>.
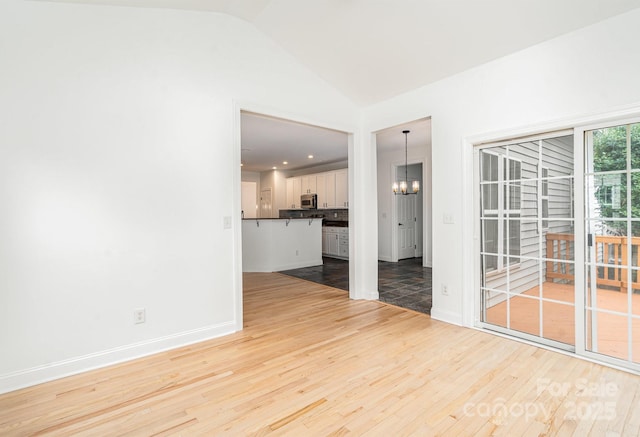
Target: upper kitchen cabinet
<point>308,184</point>
<point>342,188</point>
<point>332,188</point>
<point>326,187</point>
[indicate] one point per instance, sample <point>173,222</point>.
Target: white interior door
<point>406,206</point>
<point>265,203</point>
<point>249,206</point>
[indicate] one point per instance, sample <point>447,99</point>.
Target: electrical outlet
<point>445,290</point>
<point>297,253</point>
<point>139,316</point>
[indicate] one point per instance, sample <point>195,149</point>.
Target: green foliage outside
<point>610,154</point>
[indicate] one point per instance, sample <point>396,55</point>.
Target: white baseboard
<point>384,258</point>
<point>372,295</point>
<point>297,265</point>
<point>368,295</point>
<point>37,375</point>
<point>446,316</point>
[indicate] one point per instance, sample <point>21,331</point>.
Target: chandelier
<point>401,186</point>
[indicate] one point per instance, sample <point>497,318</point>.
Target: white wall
<point>591,70</point>
<point>118,163</point>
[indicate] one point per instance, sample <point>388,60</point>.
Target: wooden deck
<point>312,362</point>
<point>559,320</point>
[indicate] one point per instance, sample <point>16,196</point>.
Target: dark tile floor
<point>406,283</point>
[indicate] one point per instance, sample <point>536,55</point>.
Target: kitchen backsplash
<point>336,215</point>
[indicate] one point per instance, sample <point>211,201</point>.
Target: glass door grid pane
<point>612,227</point>
<point>515,261</point>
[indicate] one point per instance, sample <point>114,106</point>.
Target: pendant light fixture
<point>401,187</point>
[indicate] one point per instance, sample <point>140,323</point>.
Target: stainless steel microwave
<point>309,201</point>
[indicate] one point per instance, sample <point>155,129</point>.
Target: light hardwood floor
<point>310,362</point>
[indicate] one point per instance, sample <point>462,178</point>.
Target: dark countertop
<point>337,223</point>
<point>325,222</point>
<point>277,218</point>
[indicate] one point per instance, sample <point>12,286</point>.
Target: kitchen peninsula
<point>335,229</point>
<point>272,244</point>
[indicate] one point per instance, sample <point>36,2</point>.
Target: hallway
<point>405,284</point>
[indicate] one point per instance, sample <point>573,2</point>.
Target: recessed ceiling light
<point>310,156</point>
<point>241,165</point>
<point>285,162</point>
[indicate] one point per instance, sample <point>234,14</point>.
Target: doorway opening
<point>289,160</point>
<point>405,221</point>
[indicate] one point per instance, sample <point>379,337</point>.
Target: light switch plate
<point>227,222</point>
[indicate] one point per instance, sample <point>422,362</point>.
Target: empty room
<point>128,302</point>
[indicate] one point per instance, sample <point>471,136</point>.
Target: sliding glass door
<point>527,238</point>
<point>559,240</point>
<point>612,228</point>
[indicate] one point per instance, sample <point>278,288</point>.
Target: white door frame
<point>353,133</point>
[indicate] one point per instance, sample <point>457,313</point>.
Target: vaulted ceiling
<point>371,50</point>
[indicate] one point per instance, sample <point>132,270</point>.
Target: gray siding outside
<point>557,157</point>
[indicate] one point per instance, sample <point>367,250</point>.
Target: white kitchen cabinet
<point>335,242</point>
<point>325,241</point>
<point>308,184</point>
<point>343,243</point>
<point>342,188</point>
<point>332,188</point>
<point>326,188</point>
<point>294,189</point>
